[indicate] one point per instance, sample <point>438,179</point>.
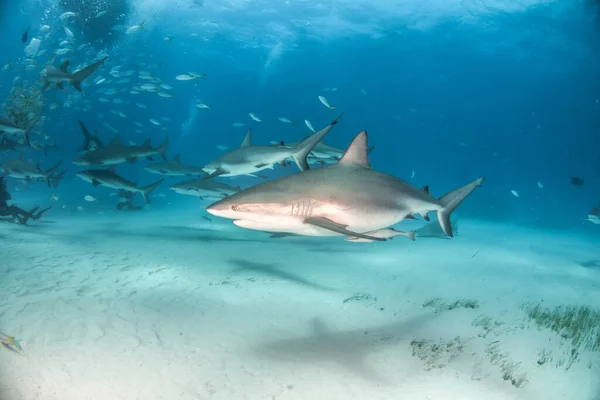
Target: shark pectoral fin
<point>330,225</point>
<point>95,182</point>
<point>60,86</point>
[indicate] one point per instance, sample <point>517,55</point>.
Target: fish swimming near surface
<point>60,76</point>
<point>204,188</point>
<point>594,216</point>
<point>21,169</point>
<point>248,159</point>
<point>109,178</point>
<point>348,198</point>
<point>175,167</point>
<point>90,142</point>
<point>7,126</point>
<point>116,153</point>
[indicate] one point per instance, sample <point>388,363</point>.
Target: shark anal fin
<point>95,182</point>
<point>333,226</point>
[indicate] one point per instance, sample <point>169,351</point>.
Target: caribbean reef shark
<point>204,188</point>
<point>109,178</point>
<point>116,153</point>
<point>348,198</point>
<point>174,167</point>
<point>58,76</point>
<point>248,159</point>
<point>7,126</point>
<point>21,169</point>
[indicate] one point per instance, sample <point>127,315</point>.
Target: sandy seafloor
<point>157,305</point>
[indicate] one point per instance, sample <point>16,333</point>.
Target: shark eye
<point>235,207</point>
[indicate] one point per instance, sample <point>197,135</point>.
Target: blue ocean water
<point>448,92</point>
<point>511,94</point>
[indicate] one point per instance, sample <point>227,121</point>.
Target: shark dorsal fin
<point>147,143</point>
<point>64,67</point>
<point>248,139</point>
<point>356,154</point>
<point>21,155</point>
<point>426,189</point>
<point>177,158</point>
<point>116,141</point>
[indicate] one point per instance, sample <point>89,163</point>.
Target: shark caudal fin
<point>450,201</point>
<point>303,149</point>
<point>162,150</point>
<point>87,136</point>
<point>80,75</point>
<point>147,189</point>
<point>48,174</point>
<point>28,131</point>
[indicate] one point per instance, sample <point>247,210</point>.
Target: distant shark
<point>109,178</point>
<point>348,198</point>
<point>248,159</point>
<point>7,144</point>
<point>7,126</point>
<point>594,216</point>
<point>174,167</point>
<point>322,153</point>
<point>116,153</point>
<point>91,142</point>
<point>61,75</point>
<point>204,188</point>
<point>21,169</point>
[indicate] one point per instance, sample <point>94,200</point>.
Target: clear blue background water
<point>514,97</point>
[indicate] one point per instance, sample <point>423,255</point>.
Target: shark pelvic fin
<point>357,152</point>
<point>330,225</point>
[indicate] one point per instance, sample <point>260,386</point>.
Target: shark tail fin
<point>28,215</point>
<point>450,201</point>
<point>28,131</point>
<point>303,149</point>
<point>147,189</point>
<point>87,136</point>
<point>48,174</point>
<point>79,76</point>
<point>162,150</point>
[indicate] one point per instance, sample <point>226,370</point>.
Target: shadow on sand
<point>347,349</point>
<point>272,271</point>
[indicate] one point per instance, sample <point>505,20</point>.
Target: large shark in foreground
<point>248,159</point>
<point>348,198</point>
<point>59,76</point>
<point>109,178</point>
